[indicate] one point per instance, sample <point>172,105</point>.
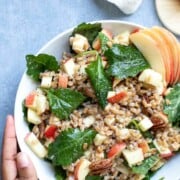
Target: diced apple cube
<point>33,142</point>
<point>145,124</point>
<point>133,157</point>
<point>124,133</point>
<point>149,76</point>
<point>116,149</point>
<point>109,120</point>
<point>33,117</point>
<point>82,169</point>
<point>79,43</point>
<point>46,81</point>
<point>69,67</point>
<point>41,104</point>
<point>162,150</point>
<point>111,94</point>
<point>99,139</point>
<point>30,100</point>
<point>122,38</point>
<point>88,121</point>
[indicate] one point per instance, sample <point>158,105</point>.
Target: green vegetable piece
<point>68,146</point>
<point>99,81</point>
<point>60,173</point>
<point>134,125</point>
<point>172,105</point>
<point>146,165</point>
<point>103,40</point>
<point>63,102</point>
<point>40,63</point>
<point>94,178</point>
<point>90,31</point>
<point>125,61</point>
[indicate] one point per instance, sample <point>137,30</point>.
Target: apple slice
<point>116,149</point>
<point>82,169</point>
<point>148,47</point>
<point>169,53</point>
<point>33,142</point>
<point>172,42</point>
<point>163,49</point>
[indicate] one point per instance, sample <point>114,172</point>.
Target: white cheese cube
<point>89,121</point>
<point>33,142</point>
<point>99,139</point>
<point>69,67</point>
<point>46,81</point>
<point>133,157</point>
<point>145,124</point>
<point>33,117</point>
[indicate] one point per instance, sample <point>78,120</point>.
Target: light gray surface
<point>25,26</point>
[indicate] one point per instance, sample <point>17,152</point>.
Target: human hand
<point>15,165</point>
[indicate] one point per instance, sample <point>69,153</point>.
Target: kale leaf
<point>99,80</point>
<point>68,146</point>
<point>40,63</point>
<point>125,61</point>
<point>146,165</point>
<point>103,40</point>
<point>60,173</point>
<point>63,102</point>
<point>90,31</point>
<point>172,105</point>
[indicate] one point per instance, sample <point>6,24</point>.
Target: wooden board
<point>169,14</point>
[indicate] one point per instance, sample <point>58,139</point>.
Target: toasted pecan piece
<point>100,166</point>
<point>159,121</point>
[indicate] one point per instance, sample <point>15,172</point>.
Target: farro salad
<point>110,108</point>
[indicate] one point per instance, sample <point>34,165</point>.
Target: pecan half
<point>159,121</point>
<point>100,166</point>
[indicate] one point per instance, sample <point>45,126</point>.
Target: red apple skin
<point>118,97</point>
<point>172,42</point>
<point>135,30</point>
<point>116,149</point>
<point>50,131</point>
<point>63,81</point>
<point>30,99</point>
<point>167,156</point>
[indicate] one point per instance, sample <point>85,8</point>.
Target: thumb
<point>26,170</point>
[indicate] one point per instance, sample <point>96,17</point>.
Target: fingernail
<point>22,160</point>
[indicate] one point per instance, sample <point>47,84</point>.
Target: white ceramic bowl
<point>56,47</point>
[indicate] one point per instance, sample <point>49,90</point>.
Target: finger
<point>25,167</point>
<point>9,150</point>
